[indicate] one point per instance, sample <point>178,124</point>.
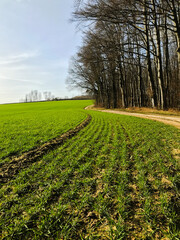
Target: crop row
<point>25,126</point>
<point>116,179</point>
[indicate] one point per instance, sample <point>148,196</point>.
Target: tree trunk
<point>148,55</point>
<point>162,89</point>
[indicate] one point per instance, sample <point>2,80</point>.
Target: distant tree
<point>35,96</point>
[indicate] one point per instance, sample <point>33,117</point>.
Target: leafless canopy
<point>131,52</point>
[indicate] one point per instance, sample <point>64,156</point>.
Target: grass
<point>116,179</point>
<point>24,126</point>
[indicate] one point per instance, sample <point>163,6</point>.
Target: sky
<point>37,41</point>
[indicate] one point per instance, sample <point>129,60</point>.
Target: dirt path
<point>171,120</point>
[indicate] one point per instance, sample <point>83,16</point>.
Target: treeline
<point>130,55</point>
<point>36,96</point>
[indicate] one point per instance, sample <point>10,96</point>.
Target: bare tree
<point>129,55</point>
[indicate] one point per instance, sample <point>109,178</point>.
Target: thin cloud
<point>18,57</point>
<point>21,80</point>
<point>18,67</point>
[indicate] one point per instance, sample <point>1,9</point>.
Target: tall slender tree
<point>130,54</point>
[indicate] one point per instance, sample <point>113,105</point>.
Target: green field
<point>117,178</point>
<point>24,126</point>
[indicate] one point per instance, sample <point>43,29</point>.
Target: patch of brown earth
<point>10,169</point>
<point>176,153</point>
<point>135,223</point>
<point>153,111</point>
<point>165,118</point>
<point>167,183</point>
<point>174,121</point>
<point>170,112</point>
<point>96,224</point>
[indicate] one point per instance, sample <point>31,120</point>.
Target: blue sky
<point>36,44</point>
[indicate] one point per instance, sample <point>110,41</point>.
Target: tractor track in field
<point>12,168</point>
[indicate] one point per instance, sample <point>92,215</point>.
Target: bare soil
<point>10,169</point>
<point>165,118</point>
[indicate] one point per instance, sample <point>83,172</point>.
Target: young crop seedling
<point>117,178</point>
